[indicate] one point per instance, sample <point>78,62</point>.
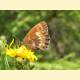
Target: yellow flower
<point>11,52</point>
<point>31,57</point>
<point>21,53</point>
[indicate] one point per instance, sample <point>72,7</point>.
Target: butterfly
<point>38,37</point>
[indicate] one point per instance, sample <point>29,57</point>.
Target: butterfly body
<point>38,37</point>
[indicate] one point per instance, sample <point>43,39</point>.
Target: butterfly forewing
<point>38,37</point>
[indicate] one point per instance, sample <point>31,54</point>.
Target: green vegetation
<point>64,30</point>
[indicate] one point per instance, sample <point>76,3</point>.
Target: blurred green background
<point>64,30</point>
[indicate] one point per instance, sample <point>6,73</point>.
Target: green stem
<point>6,63</point>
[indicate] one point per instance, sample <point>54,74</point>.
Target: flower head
<point>21,53</point>
<point>11,52</point>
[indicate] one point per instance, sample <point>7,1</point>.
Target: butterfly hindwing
<point>38,37</point>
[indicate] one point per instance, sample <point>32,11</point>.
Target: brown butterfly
<point>38,37</point>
